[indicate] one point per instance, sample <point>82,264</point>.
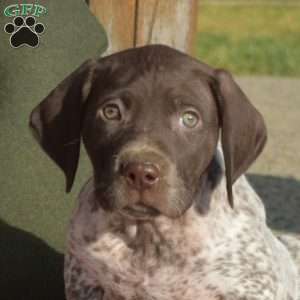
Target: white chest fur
<point>163,259</point>
<point>193,257</point>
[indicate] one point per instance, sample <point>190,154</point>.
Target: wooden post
<point>170,22</point>
<point>131,23</point>
<point>118,20</point>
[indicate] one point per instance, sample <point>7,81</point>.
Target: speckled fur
<point>224,253</point>
<point>158,221</point>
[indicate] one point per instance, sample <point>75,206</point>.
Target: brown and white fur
<point>167,214</point>
<point>224,254</point>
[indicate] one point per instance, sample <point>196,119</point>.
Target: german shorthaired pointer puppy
<point>168,214</point>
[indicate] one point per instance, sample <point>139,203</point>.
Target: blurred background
<point>250,37</point>
<point>257,41</point>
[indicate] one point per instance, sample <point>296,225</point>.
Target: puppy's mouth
<point>139,211</point>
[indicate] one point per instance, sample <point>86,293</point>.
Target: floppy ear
<point>243,130</point>
<point>56,121</point>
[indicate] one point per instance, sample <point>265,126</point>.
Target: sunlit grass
<point>258,39</point>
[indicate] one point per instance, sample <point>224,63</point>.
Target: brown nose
<point>140,176</point>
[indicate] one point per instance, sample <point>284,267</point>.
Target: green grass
<point>260,40</point>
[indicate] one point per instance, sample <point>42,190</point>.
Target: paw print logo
<point>24,31</point>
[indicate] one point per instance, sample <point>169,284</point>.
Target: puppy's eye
<point>189,119</point>
<point>111,111</point>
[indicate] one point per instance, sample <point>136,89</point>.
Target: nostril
<point>131,177</point>
<point>150,178</point>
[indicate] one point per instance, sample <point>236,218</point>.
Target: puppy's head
<point>149,119</point>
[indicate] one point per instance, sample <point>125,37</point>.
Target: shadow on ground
<point>29,268</point>
<point>281,197</point>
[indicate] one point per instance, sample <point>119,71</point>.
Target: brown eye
<point>189,119</point>
<point>111,112</point>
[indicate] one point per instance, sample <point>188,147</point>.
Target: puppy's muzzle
<point>140,175</point>
<point>142,172</point>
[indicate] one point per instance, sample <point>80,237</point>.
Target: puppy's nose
<point>140,176</point>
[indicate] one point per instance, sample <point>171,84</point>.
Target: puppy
<point>167,213</point>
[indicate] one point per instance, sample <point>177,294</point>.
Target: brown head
<point>149,118</point>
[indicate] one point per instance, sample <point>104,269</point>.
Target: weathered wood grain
<point>170,22</point>
<point>131,23</point>
<point>118,19</point>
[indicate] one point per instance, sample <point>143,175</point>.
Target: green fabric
<point>34,209</point>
